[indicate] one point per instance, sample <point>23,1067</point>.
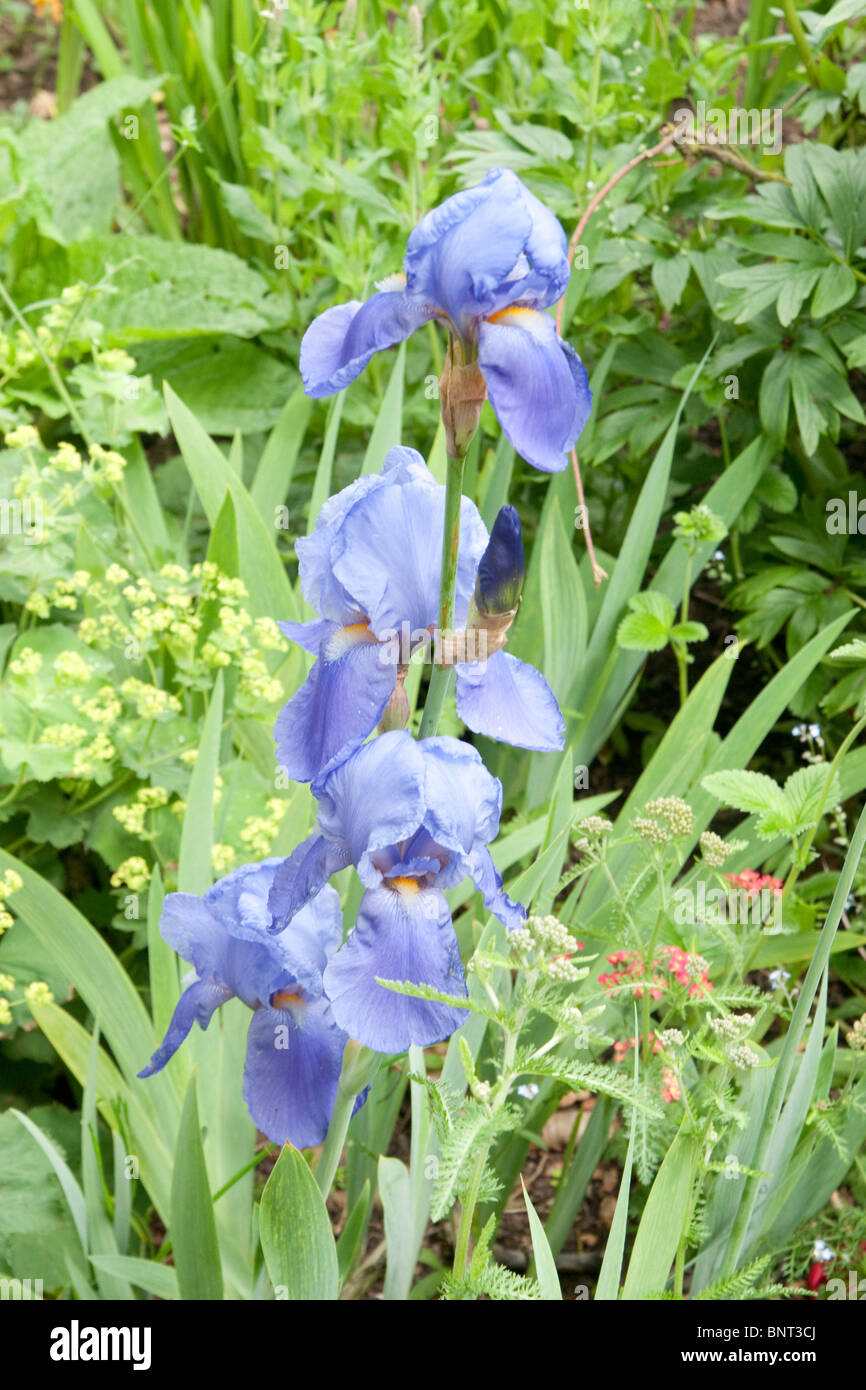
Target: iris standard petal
<point>340,342</point>
<point>292,1068</point>
<point>320,587</point>
<point>547,251</point>
<point>388,554</point>
<point>373,799</point>
<point>537,385</point>
<point>462,254</point>
<point>507,699</point>
<point>463,799</point>
<point>339,704</point>
<point>401,934</point>
<point>301,951</point>
<point>197,1004</point>
<point>191,929</point>
<point>304,874</point>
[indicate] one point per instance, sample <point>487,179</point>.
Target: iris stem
<point>329,1159</point>
<point>359,1067</point>
<point>442,676</point>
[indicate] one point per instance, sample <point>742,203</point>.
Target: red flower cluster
<point>629,966</point>
<point>681,966</point>
<point>622,1045</point>
<point>670,1086</point>
<point>752,882</point>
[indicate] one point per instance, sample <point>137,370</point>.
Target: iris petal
<point>291,1072</point>
<point>197,1004</point>
<point>389,552</point>
<point>488,881</point>
<point>302,876</point>
<point>507,699</point>
<point>339,704</point>
<point>537,385</point>
<point>398,936</point>
<point>340,342</point>
<point>462,254</point>
<point>373,799</point>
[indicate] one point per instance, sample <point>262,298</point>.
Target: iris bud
<point>499,582</point>
<point>396,713</point>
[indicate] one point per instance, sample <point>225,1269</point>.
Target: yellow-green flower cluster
<point>38,993</point>
<point>223,859</point>
<point>102,708</point>
<point>26,663</point>
<point>133,873</point>
<point>259,832</point>
<point>132,815</point>
<point>72,669</point>
<point>89,762</point>
<point>23,437</point>
<point>150,701</point>
<point>10,883</point>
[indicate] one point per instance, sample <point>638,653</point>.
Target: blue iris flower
<point>414,818</point>
<point>294,1046</point>
<point>371,570</point>
<point>486,263</point>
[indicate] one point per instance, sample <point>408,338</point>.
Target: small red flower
<point>816,1276</point>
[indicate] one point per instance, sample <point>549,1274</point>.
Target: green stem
<point>800,858</point>
<point>359,1067</point>
<point>329,1158</point>
<point>798,34</point>
<point>441,677</point>
<point>470,1201</point>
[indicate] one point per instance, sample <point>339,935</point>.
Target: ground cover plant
<point>432,651</point>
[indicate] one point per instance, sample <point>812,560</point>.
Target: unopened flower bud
<point>396,713</point>
<point>462,392</point>
<point>499,582</point>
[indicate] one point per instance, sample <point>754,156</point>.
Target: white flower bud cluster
<point>667,817</point>
<point>733,1027</point>
<point>520,939</point>
<point>670,1038</point>
<point>595,830</point>
<point>563,972</point>
<point>549,931</point>
<point>743,1057</point>
<point>714,849</point>
<point>857,1035</point>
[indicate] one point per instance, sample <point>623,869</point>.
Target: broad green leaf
<point>279,456</point>
<point>71,1189</point>
<point>194,1237</point>
<point>297,1240</point>
<point>663,1221</point>
<point>195,873</point>
<point>261,567</point>
<point>155,1278</point>
<point>545,1264</point>
<point>389,419</point>
<point>395,1191</point>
